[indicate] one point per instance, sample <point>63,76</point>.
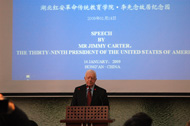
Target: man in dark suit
<point>90,94</point>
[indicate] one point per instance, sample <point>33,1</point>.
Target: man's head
<point>9,104</point>
<point>139,119</point>
<point>90,78</point>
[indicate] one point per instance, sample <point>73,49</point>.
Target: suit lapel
<point>83,94</point>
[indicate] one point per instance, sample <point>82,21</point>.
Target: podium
<point>87,116</point>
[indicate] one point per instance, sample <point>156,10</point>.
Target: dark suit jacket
<point>99,97</point>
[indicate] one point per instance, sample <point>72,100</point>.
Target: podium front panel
<point>87,113</point>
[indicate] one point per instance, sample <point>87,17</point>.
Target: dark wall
<point>48,111</point>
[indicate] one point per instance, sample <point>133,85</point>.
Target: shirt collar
<point>92,87</point>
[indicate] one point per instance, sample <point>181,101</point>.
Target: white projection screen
<point>135,46</point>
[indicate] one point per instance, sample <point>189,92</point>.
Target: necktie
<point>89,97</point>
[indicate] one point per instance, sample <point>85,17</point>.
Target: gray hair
<point>91,71</point>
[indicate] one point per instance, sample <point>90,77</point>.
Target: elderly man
<point>90,94</point>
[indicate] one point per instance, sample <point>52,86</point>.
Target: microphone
<point>87,87</point>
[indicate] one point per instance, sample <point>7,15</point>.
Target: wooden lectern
<point>87,116</point>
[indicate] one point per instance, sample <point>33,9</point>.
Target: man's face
<point>90,79</point>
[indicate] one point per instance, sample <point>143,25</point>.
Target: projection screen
<point>135,46</point>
